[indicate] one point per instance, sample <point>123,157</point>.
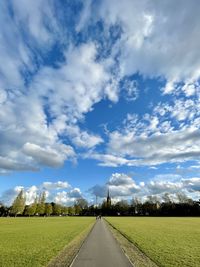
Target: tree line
<point>40,207</point>
<point>151,207</point>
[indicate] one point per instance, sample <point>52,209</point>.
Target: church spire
<point>108,198</point>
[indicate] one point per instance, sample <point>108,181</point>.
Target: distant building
<point>108,201</point>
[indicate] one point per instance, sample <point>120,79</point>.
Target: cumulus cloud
<point>7,165</point>
<point>30,194</point>
<point>128,148</point>
<point>158,187</point>
<point>123,186</point>
<point>193,184</point>
<point>68,198</point>
<point>119,185</point>
<point>48,156</point>
<point>82,138</point>
<point>132,150</point>
<point>153,40</point>
<point>99,190</point>
<point>35,117</point>
<point>55,185</point>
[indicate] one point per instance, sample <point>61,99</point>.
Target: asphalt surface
<point>100,249</point>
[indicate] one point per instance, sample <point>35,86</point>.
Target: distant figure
<point>100,217</point>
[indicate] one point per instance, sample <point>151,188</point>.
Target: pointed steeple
<point>108,198</point>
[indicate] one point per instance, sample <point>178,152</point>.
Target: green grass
<point>35,241</point>
<point>167,241</point>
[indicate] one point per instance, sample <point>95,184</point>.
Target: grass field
<point>34,241</point>
<point>167,241</point>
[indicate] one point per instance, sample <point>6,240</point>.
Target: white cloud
<point>122,186</point>
<point>189,89</point>
<point>49,156</point>
<point>72,90</point>
<point>176,146</point>
<point>169,88</point>
<point>107,159</point>
<point>30,194</point>
<point>155,41</point>
<point>131,90</point>
<point>39,19</point>
<point>85,14</point>
<point>119,184</point>
<point>36,118</point>
<point>68,198</point>
<point>55,185</point>
<point>67,94</point>
<point>7,165</point>
<point>75,193</point>
<point>159,187</point>
<point>192,184</point>
<point>183,110</point>
<point>82,138</point>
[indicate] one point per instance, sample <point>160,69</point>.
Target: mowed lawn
<point>167,241</point>
<point>34,241</point>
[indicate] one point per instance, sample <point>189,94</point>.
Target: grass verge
<point>168,241</point>
<point>28,242</point>
<point>67,255</point>
<point>135,255</point>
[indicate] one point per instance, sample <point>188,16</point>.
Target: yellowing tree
<point>18,205</point>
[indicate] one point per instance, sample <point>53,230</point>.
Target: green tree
<point>40,210</point>
<point>82,203</point>
<point>3,210</point>
<point>18,205</point>
<point>64,210</point>
<point>48,209</point>
<point>71,211</point>
<point>122,207</point>
<point>77,209</point>
<point>31,209</point>
<point>57,209</point>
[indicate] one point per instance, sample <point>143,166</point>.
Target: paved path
<point>100,249</point>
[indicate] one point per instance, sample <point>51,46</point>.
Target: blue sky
<point>98,94</point>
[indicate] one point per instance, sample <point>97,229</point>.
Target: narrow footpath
<point>100,249</point>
